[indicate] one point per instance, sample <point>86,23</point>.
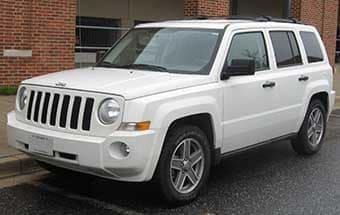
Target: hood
<point>128,83</point>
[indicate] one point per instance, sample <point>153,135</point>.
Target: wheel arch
<point>203,121</point>
<point>323,95</point>
<point>168,115</point>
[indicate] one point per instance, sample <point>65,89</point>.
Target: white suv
<point>171,99</point>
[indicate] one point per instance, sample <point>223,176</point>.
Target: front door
<point>249,100</point>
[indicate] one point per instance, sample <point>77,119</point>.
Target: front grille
<point>56,109</point>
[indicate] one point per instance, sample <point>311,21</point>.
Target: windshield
<point>173,50</point>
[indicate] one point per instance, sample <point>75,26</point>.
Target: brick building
<point>38,37</point>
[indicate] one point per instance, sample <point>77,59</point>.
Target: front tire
<point>311,135</point>
<point>184,165</point>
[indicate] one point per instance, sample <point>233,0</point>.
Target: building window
<point>277,8</point>
<point>97,34</point>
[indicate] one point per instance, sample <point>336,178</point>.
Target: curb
<point>17,165</point>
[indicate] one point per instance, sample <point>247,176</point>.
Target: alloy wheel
<point>315,127</point>
<point>187,165</point>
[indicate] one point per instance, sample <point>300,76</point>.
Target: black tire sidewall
<point>303,134</point>
<point>163,171</point>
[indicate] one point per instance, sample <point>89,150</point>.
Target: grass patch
<point>8,90</point>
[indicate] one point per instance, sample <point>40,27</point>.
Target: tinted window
<point>312,47</point>
<point>247,46</point>
<point>286,49</point>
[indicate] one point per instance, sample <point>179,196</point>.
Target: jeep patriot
<point>170,99</point>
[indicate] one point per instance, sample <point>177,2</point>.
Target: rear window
<point>312,47</point>
<point>286,49</point>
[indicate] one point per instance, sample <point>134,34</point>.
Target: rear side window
<point>312,47</point>
<point>286,49</point>
<point>249,46</point>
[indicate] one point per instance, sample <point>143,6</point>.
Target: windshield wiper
<point>107,64</point>
<point>144,66</point>
<point>134,66</point>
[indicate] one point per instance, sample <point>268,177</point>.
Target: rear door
<point>288,70</point>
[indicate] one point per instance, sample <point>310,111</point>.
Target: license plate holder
<point>41,144</point>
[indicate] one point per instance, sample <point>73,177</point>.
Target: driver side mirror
<point>238,67</point>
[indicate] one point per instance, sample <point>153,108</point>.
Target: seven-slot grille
<point>59,110</point>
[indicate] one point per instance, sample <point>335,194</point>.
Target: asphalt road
<point>269,180</point>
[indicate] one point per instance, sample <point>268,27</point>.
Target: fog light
<point>125,150</point>
<point>119,150</point>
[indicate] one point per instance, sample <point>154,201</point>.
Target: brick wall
<point>323,14</point>
<point>206,8</point>
<point>45,27</point>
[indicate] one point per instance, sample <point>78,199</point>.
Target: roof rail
<point>251,18</point>
<point>255,19</point>
<point>288,20</point>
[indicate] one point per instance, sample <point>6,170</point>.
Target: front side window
<point>286,48</point>
<point>312,47</point>
<point>249,46</point>
<point>173,50</point>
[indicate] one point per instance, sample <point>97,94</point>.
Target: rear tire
<point>311,135</point>
<point>184,165</point>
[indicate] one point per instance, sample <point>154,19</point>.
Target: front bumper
<point>91,155</point>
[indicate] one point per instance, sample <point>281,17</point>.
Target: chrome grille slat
<point>49,109</point>
<point>69,112</point>
<point>81,111</point>
<point>42,101</point>
<point>42,104</point>
<point>33,105</point>
<point>61,98</point>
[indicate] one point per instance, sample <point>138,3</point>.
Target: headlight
<point>22,98</point>
<point>108,111</point>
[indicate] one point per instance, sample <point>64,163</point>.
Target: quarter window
<point>286,49</point>
<point>312,47</point>
<point>248,46</point>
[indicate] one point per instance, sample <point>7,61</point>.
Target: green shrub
<point>8,90</point>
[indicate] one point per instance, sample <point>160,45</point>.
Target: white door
<point>249,101</point>
<point>290,78</point>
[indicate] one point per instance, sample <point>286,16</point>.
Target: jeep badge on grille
<point>60,84</point>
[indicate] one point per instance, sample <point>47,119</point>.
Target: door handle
<point>269,84</point>
<point>303,78</point>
